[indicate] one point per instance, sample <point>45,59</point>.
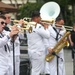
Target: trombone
<point>68,28</point>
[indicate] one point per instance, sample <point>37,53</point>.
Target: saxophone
<point>57,48</point>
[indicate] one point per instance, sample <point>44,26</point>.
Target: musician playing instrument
<point>56,32</point>
<point>16,45</point>
<point>36,48</point>
<point>4,47</point>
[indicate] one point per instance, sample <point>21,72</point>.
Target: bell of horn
<point>49,10</point>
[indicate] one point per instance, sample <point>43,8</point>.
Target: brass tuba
<point>61,43</point>
<point>49,11</point>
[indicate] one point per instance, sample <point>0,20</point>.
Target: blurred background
<point>23,8</point>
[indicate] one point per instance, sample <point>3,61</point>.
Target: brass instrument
<point>57,48</point>
<point>68,28</point>
<point>49,12</point>
<point>17,21</point>
<point>48,22</point>
<point>26,25</point>
<point>25,22</point>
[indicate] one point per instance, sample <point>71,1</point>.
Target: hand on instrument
<point>14,31</point>
<point>21,22</point>
<point>50,50</point>
<point>45,25</point>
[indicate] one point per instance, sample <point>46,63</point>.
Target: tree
<point>27,9</point>
<point>72,3</point>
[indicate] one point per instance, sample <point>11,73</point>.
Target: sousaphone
<point>49,11</point>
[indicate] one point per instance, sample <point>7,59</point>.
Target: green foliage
<point>68,15</point>
<point>28,8</point>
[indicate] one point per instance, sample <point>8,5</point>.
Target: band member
<point>17,55</point>
<point>56,33</point>
<point>4,47</point>
<point>36,48</point>
<point>8,20</point>
<point>16,45</point>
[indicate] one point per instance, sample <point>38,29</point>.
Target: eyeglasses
<point>3,23</point>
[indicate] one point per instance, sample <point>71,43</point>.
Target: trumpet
<point>22,28</point>
<point>25,25</point>
<point>17,21</point>
<point>24,22</point>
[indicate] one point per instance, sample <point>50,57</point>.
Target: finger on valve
<point>50,50</point>
<point>21,21</point>
<point>45,25</point>
<point>14,28</point>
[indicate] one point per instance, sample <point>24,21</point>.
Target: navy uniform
<point>17,56</point>
<point>51,67</point>
<point>16,53</point>
<point>10,55</point>
<point>36,48</point>
<point>4,53</point>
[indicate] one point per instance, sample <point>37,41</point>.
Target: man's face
<point>61,22</point>
<point>2,24</point>
<point>8,18</point>
<point>38,19</point>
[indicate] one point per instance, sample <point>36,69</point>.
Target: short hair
<point>3,17</point>
<point>59,18</point>
<point>6,12</point>
<point>35,14</point>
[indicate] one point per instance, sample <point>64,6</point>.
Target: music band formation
<point>46,37</point>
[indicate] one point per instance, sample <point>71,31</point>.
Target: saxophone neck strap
<point>57,33</point>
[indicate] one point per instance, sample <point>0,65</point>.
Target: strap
<point>57,33</point>
<point>5,46</point>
